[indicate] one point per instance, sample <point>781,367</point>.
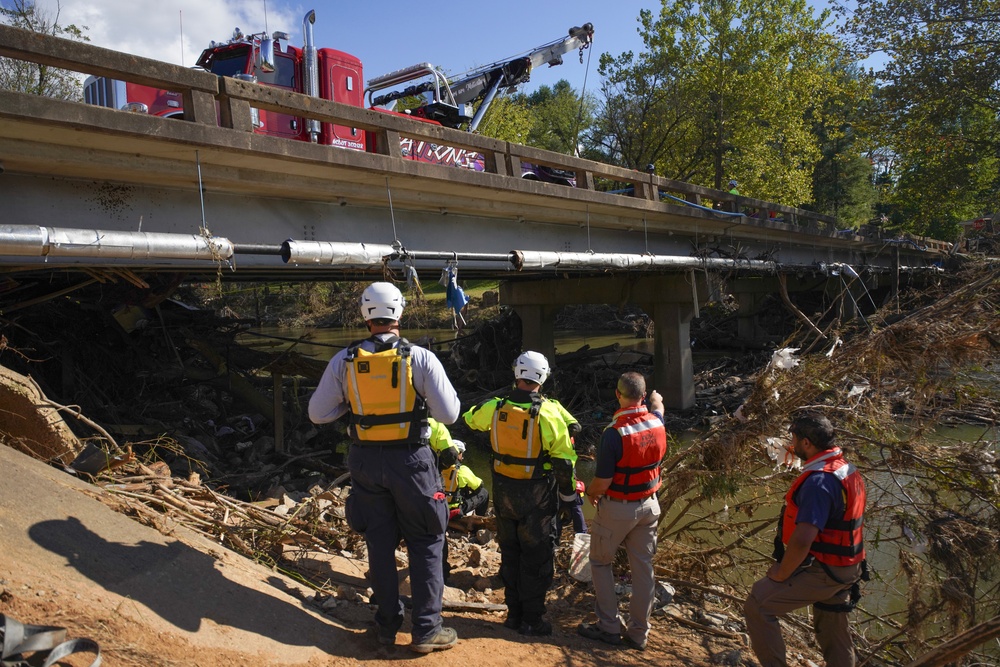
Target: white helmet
<point>459,445</point>
<point>531,366</point>
<point>382,300</point>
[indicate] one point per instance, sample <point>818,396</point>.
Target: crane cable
<point>583,93</point>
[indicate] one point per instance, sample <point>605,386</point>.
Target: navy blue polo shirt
<point>820,497</point>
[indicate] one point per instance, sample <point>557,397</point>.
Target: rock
<point>484,535</point>
<point>731,658</point>
<point>664,593</point>
<point>451,594</point>
<point>715,620</point>
<point>475,556</point>
<point>347,593</point>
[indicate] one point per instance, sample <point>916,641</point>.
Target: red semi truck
<point>334,75</point>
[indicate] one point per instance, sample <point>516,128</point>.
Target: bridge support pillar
<point>672,300</point>
<point>537,329</point>
<point>673,367</point>
<point>750,294</point>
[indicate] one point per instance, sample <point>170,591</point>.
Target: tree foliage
<point>36,78</point>
<point>725,89</point>
<point>559,115</point>
<point>938,104</point>
<point>508,119</point>
<point>843,178</point>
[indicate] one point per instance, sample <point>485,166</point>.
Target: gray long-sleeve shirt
<point>330,401</point>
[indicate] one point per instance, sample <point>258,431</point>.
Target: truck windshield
<point>230,62</point>
<point>283,74</point>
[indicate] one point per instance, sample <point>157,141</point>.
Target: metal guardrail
<point>203,91</point>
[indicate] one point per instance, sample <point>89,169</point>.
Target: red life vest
<point>840,541</point>
<point>644,443</point>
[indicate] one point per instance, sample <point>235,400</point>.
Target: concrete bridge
<point>90,189</point>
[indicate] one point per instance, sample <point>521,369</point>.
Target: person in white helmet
<point>533,471</point>
<point>464,490</point>
<point>389,387</point>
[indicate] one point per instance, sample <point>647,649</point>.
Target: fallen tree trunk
<point>959,645</point>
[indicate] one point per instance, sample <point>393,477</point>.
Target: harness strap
<point>840,524</point>
<point>366,421</point>
<point>19,639</point>
<point>507,459</point>
<point>855,588</point>
<point>836,549</point>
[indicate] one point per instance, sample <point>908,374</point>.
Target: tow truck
<point>334,75</point>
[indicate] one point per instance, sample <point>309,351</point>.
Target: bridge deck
<point>74,146</point>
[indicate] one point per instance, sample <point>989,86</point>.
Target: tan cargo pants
<point>770,599</point>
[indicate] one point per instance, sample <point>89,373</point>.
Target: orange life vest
<point>644,443</point>
<point>840,541</point>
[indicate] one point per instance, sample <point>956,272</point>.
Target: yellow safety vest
<point>385,408</point>
<point>516,440</point>
<point>449,478</point>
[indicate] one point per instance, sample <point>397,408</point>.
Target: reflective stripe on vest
<point>840,542</point>
<point>385,408</point>
<point>516,441</point>
<point>644,444</point>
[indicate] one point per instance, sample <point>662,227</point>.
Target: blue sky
<point>385,34</point>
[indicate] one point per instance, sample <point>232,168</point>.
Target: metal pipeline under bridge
<point>35,241</point>
<point>361,255</point>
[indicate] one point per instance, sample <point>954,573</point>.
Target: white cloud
<point>152,28</point>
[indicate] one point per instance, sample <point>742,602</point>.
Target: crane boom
<point>451,100</point>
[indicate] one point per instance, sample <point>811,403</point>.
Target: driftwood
<point>701,627</point>
<point>959,645</point>
<point>233,382</point>
<point>458,605</point>
<point>586,352</point>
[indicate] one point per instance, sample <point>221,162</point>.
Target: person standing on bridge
<point>626,479</point>
<point>819,550</point>
<point>533,470</point>
<point>388,387</point>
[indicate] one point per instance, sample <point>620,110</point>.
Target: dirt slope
<point>150,598</point>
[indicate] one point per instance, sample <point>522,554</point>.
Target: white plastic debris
<point>777,451</point>
<point>836,343</point>
<point>784,358</point>
<point>858,389</point>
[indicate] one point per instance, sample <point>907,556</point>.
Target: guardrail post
<point>233,113</point>
<point>514,164</point>
<point>387,143</point>
<point>496,163</point>
<point>199,107</point>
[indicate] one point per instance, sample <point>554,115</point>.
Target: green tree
<point>558,115</point>
<point>938,103</point>
<point>508,119</point>
<point>737,88</point>
<point>844,178</point>
<point>36,78</point>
